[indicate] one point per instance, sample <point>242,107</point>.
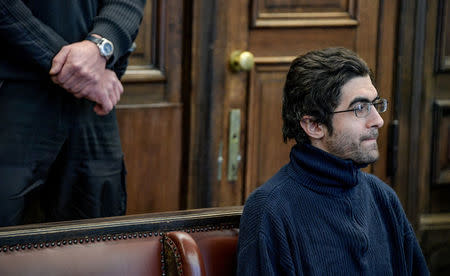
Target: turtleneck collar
<point>325,171</point>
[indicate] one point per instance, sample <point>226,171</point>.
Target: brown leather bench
<point>140,256</point>
<point>207,252</point>
<point>131,245</point>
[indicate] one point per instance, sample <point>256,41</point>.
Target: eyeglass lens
<point>380,106</point>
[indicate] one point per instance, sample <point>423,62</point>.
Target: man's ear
<point>312,128</point>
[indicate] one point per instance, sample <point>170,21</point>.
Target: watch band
<point>94,39</point>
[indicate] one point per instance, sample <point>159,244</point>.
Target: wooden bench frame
<point>63,234</point>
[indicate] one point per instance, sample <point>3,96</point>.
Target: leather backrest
<point>218,249</point>
<point>137,256</point>
<point>209,252</point>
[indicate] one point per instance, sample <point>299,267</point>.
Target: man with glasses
<point>320,214</point>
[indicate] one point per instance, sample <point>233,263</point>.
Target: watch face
<point>107,48</point>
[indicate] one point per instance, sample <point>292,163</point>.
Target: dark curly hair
<point>313,87</point>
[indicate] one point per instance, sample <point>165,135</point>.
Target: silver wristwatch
<point>105,46</point>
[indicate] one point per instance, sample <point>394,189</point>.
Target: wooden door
<point>424,91</point>
<point>275,31</point>
<point>150,111</point>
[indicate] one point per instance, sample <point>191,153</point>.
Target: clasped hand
<point>81,70</point>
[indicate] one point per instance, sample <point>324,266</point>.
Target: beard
<point>362,149</point>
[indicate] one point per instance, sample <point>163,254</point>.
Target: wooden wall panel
<point>440,158</point>
<point>264,118</point>
<point>384,82</point>
<point>152,146</point>
<point>146,93</point>
<point>440,152</point>
<point>150,111</point>
<point>367,35</point>
<point>422,94</point>
<point>292,42</point>
<point>433,106</point>
<point>142,55</point>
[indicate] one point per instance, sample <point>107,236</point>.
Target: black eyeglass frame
<point>375,103</point>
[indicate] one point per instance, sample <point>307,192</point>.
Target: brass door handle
<point>241,61</point>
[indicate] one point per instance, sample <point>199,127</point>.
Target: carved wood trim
<point>303,19</point>
<point>324,21</point>
<point>137,74</point>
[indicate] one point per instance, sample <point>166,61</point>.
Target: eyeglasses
<point>362,110</point>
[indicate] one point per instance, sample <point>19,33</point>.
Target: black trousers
<point>57,156</point>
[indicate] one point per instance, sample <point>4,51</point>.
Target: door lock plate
<point>234,156</point>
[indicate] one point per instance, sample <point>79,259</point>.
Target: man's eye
<point>359,107</point>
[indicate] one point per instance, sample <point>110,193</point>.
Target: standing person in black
<point>60,65</point>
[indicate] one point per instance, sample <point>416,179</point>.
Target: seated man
<point>320,214</point>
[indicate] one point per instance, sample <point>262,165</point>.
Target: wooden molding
<point>434,222</point>
<point>273,15</point>
<point>150,105</point>
<point>139,74</point>
<point>304,21</point>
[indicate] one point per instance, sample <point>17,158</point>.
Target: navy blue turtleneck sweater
<point>321,215</point>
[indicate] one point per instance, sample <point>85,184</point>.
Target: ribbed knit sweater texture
<point>321,215</point>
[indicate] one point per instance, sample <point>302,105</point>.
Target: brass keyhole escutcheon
<point>241,61</point>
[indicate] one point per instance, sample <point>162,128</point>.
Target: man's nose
<point>375,119</point>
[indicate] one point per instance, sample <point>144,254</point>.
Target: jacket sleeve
<point>21,29</point>
<point>118,21</point>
